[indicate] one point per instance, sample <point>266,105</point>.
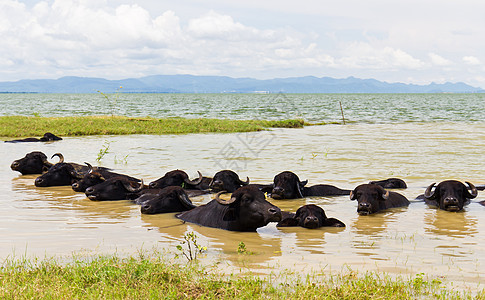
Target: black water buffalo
<point>115,188</point>
<point>391,183</point>
<point>32,163</point>
<point>167,200</point>
<point>48,137</point>
<point>247,210</point>
<point>61,173</point>
<point>227,180</point>
<point>450,195</point>
<point>178,178</point>
<point>94,176</point>
<point>287,185</point>
<point>309,216</point>
<point>372,198</point>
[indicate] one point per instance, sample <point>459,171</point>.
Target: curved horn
<point>222,201</point>
<point>298,189</point>
<point>184,199</point>
<point>244,182</point>
<point>131,189</point>
<point>90,167</point>
<point>474,191</point>
<point>61,157</point>
<point>195,181</point>
<point>428,194</point>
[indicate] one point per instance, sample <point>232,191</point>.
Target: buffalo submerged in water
<point>450,195</point>
<point>287,185</point>
<point>246,210</point>
<point>372,198</point>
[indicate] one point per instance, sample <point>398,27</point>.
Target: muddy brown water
<point>56,221</point>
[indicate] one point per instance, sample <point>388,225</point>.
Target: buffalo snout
<point>364,208</point>
<point>278,193</point>
<point>274,214</point>
<point>311,222</point>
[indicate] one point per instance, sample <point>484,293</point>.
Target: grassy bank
<point>156,278</point>
<point>19,126</point>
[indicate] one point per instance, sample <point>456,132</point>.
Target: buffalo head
<point>175,178</point>
<point>286,185</point>
<point>114,188</point>
<point>370,198</point>
<point>59,174</point>
<point>169,199</point>
<point>33,163</point>
<point>227,180</point>
<point>450,195</point>
<point>310,216</point>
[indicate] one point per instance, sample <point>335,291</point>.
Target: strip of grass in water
<point>156,277</point>
<point>19,126</point>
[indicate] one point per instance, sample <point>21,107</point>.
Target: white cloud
<point>439,60</point>
<point>471,60</point>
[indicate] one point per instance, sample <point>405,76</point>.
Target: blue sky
<point>395,41</point>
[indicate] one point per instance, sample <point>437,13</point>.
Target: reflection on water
<point>58,221</point>
<point>457,225</point>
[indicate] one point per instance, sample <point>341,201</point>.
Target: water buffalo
<point>178,178</point>
<point>450,195</point>
<point>372,198</point>
<point>309,216</point>
<point>115,188</point>
<point>32,163</point>
<point>94,176</point>
<point>391,183</point>
<point>227,180</point>
<point>61,173</point>
<point>287,185</point>
<point>167,200</point>
<point>48,137</point>
<point>247,210</point>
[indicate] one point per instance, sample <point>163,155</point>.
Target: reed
<point>20,126</point>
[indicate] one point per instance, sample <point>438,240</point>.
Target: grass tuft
<point>20,126</point>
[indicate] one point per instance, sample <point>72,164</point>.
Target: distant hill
<point>223,84</point>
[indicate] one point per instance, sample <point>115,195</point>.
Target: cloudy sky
<point>395,41</point>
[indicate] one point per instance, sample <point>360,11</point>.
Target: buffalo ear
<point>230,215</point>
<point>303,183</point>
<point>332,222</point>
<point>288,222</point>
<point>353,195</point>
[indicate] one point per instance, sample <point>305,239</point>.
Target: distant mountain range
<point>223,84</point>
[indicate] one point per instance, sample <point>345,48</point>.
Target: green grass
<point>156,277</point>
<point>19,126</point>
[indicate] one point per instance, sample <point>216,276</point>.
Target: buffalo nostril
<point>15,164</point>
<point>363,204</point>
<point>311,219</point>
<point>89,190</point>
<point>75,185</point>
<point>278,190</point>
<point>273,210</point>
<point>152,185</point>
<point>145,207</point>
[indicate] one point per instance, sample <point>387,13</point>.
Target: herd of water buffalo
<point>247,208</point>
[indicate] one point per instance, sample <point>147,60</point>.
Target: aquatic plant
<point>192,247</point>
